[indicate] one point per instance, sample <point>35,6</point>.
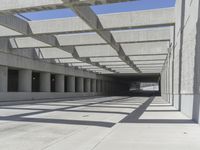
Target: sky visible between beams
<point>102,9</point>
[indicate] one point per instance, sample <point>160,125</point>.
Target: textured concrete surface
<point>98,123</point>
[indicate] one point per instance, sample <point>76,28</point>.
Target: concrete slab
<point>99,123</point>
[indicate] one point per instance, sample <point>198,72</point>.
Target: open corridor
<point>96,123</point>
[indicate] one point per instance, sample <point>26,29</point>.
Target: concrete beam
<point>87,39</point>
<point>15,23</point>
<point>86,13</point>
<point>21,26</point>
<point>15,6</point>
<point>132,20</point>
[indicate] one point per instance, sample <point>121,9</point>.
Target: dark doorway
<point>53,83</point>
<point>35,82</point>
<point>76,84</point>
<point>66,78</point>
<point>13,80</point>
<point>91,86</point>
<point>85,85</point>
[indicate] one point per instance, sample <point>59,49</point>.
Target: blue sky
<point>103,9</point>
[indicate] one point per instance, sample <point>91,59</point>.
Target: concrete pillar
<point>103,86</point>
<point>87,85</point>
<point>94,89</point>
<point>25,81</point>
<point>98,86</point>
<point>106,87</point>
<point>70,84</point>
<point>60,83</point>
<point>109,88</point>
<point>45,85</point>
<point>3,79</point>
<point>79,84</point>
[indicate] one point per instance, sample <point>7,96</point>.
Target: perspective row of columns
<point>62,82</point>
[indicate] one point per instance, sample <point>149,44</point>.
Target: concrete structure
<point>66,64</point>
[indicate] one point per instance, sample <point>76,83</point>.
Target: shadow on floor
<point>133,117</point>
<point>24,117</point>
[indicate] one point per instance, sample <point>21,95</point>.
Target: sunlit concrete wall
<point>183,71</point>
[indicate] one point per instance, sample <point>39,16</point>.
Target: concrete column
<point>70,84</point>
<point>45,85</point>
<point>94,89</point>
<point>25,81</point>
<point>87,85</point>
<point>98,86</point>
<point>106,87</point>
<point>109,88</point>
<point>60,83</point>
<point>79,84</point>
<point>103,86</point>
<point>3,79</point>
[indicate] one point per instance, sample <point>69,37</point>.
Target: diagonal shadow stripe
<point>135,115</point>
<point>166,121</point>
<point>61,121</point>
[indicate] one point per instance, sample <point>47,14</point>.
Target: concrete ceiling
<point>120,43</point>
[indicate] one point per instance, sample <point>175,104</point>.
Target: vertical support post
<point>45,85</point>
<point>87,85</point>
<point>25,81</point>
<point>80,84</point>
<point>71,84</point>
<point>60,83</point>
<point>3,79</point>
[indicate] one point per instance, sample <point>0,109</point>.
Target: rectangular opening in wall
<point>145,88</point>
<point>13,80</point>
<point>76,84</point>
<point>152,87</point>
<point>91,87</point>
<point>53,83</point>
<point>85,85</point>
<point>35,82</point>
<point>101,86</point>
<point>97,85</point>
<point>66,78</point>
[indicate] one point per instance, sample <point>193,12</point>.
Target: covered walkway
<point>96,123</point>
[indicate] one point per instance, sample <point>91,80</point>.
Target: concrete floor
<point>100,123</point>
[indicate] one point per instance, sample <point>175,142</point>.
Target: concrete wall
<point>19,96</point>
<point>181,74</point>
<point>26,62</point>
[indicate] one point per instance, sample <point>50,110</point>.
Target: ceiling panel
<point>72,24</point>
<point>149,62</point>
<point>139,35</point>
<point>54,53</point>
<point>146,48</point>
<point>79,39</point>
<point>148,57</point>
<point>112,63</point>
<point>95,51</point>
<point>7,32</point>
<point>105,59</point>
<point>27,42</point>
